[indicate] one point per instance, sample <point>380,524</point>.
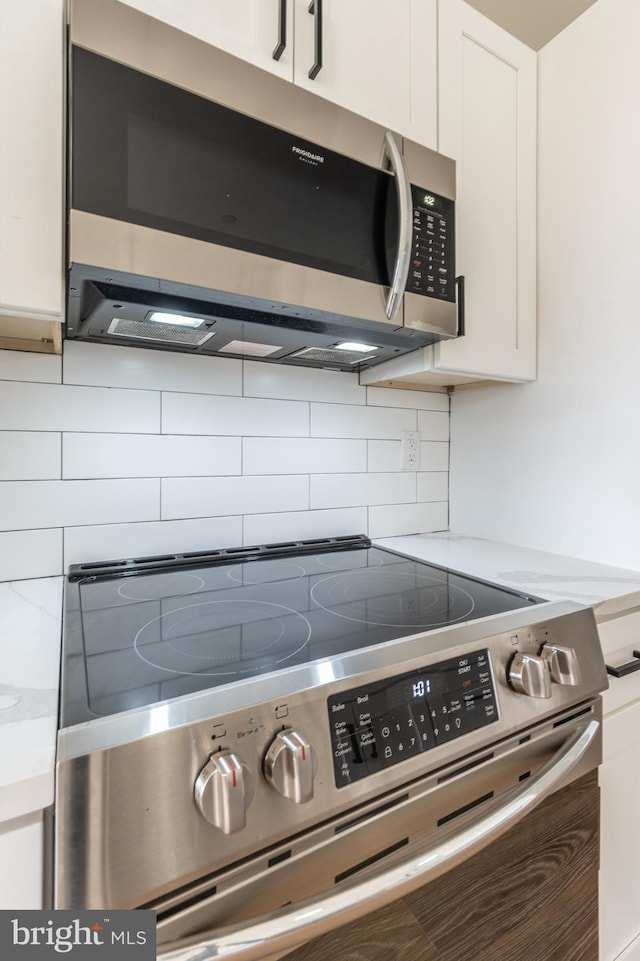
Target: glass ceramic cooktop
<point>136,638</point>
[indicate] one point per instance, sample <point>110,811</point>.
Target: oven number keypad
<point>377,726</point>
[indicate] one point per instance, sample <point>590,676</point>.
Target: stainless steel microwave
<point>221,210</point>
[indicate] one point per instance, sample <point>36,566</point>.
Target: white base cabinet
<point>31,170</point>
<point>619,779</point>
<point>21,858</point>
<point>632,953</point>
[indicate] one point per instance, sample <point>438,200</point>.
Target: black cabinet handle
<point>282,31</point>
<point>627,668</point>
<point>315,8</point>
<point>460,299</point>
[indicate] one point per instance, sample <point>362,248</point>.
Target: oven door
<point>355,865</point>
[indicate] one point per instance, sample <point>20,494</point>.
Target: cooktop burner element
<point>139,632</point>
<point>393,599</point>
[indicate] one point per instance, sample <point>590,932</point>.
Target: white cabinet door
<point>619,838</point>
<point>632,953</point>
<point>21,859</point>
<point>249,29</point>
<point>487,123</point>
<point>378,59</point>
<point>31,160</point>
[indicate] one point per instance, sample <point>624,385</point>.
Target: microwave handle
<point>405,225</point>
<point>282,31</point>
<point>280,932</point>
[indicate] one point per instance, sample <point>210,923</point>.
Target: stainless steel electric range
<point>264,742</point>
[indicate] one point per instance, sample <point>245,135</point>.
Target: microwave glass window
<point>149,153</point>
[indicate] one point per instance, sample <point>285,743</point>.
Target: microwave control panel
<point>432,267</point>
<point>378,725</point>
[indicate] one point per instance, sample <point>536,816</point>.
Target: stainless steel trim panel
<point>383,659</point>
<point>293,925</point>
<point>236,276</point>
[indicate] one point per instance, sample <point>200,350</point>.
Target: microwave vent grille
<point>331,355</point>
<point>143,330</point>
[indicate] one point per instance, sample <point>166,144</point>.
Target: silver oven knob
<point>529,675</point>
<point>562,663</point>
<point>289,766</point>
<point>223,792</point>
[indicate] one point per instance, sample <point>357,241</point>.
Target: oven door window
<point>149,153</point>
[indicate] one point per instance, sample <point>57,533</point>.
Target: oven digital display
<point>378,725</point>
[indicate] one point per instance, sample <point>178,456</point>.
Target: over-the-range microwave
<point>221,210</point>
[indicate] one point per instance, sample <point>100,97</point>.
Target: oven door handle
<point>288,927</point>
<point>405,224</point>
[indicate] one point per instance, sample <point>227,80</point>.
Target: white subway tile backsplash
<point>20,365</point>
<point>272,528</point>
<point>408,519</point>
<point>354,490</point>
<point>217,496</point>
<point>26,554</point>
<point>339,420</point>
<point>112,541</point>
<point>141,452</point>
<point>200,414</point>
<point>105,365</point>
<point>434,455</point>
<point>418,399</point>
<point>385,455</point>
<point>29,455</point>
<point>302,455</point>
<point>59,407</point>
<point>149,455</point>
<point>302,383</point>
<point>35,504</point>
<point>433,486</point>
<point>433,425</point>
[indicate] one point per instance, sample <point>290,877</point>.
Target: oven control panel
<point>378,725</point>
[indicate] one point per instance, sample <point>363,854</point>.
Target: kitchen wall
<point>556,464</point>
<point>108,452</point>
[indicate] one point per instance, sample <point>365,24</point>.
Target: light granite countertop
<point>31,625</point>
<point>549,576</point>
<point>30,631</point>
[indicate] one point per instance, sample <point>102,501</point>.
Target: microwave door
<point>223,200</point>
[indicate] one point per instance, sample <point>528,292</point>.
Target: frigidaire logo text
<point>307,155</point>
<point>64,937</point>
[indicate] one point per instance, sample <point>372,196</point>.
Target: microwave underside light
<point>117,307</point>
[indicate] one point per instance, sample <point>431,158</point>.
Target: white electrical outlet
<point>410,450</point>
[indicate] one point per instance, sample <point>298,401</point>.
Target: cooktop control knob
<point>223,792</point>
<point>562,663</point>
<point>529,675</point>
<point>289,766</point>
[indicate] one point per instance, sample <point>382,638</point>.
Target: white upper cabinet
<point>31,169</point>
<point>487,123</point>
<point>378,58</point>
<point>259,31</point>
<point>375,57</point>
<point>487,120</point>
